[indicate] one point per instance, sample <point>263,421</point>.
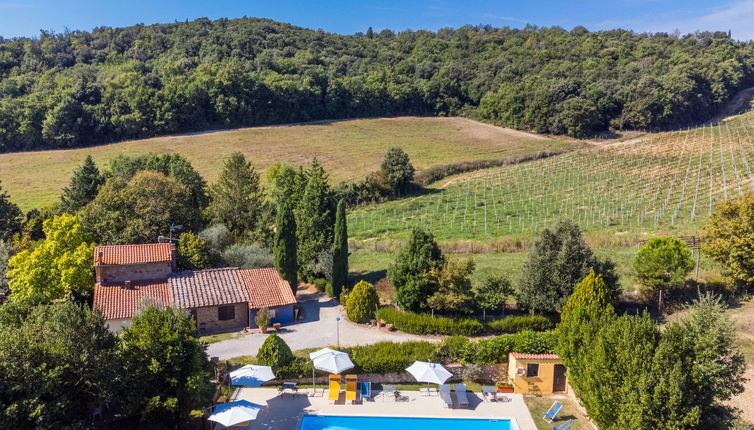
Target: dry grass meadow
<point>348,149</point>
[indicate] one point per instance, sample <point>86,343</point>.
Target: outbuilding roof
<point>518,355</point>
<point>266,288</point>
<point>210,287</point>
<point>117,301</point>
<point>133,254</point>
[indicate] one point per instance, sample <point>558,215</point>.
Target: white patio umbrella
<point>429,372</point>
<point>251,375</point>
<point>230,414</point>
<point>330,360</point>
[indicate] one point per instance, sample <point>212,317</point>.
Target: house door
<point>559,380</point>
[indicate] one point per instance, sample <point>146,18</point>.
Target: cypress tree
<point>409,273</point>
<point>340,250</point>
<point>11,217</point>
<point>314,220</point>
<point>83,187</point>
<point>286,261</point>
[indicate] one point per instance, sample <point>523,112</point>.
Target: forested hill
<point>83,88</point>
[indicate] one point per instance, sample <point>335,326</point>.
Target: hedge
<point>387,357</point>
<point>426,324</point>
<point>515,324</point>
<point>495,350</point>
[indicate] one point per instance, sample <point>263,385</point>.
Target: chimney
<point>98,257</point>
<point>128,285</point>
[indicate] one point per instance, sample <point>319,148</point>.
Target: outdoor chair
<point>552,413</point>
<point>334,393</point>
<point>388,390</point>
<point>565,426</point>
<point>489,393</point>
<point>463,400</point>
<point>366,390</point>
<point>351,390</point>
<point>428,392</point>
<point>292,386</point>
<point>447,399</point>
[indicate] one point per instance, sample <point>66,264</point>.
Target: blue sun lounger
<point>552,413</point>
<point>565,426</point>
<point>366,390</point>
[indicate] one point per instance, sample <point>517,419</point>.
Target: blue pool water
<point>328,422</point>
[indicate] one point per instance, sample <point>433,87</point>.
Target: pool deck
<point>283,412</point>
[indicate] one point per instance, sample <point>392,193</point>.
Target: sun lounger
<point>565,426</point>
<point>334,393</point>
<point>388,391</point>
<point>366,390</point>
<point>552,413</point>
<point>447,399</point>
<point>351,390</point>
<point>463,400</point>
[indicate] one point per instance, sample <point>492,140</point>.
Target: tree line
<point>85,88</point>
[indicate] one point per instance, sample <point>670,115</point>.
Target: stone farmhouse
<point>129,277</point>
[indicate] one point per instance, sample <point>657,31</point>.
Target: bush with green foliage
<point>728,236</point>
<point>315,219</point>
<point>451,349</point>
<point>397,170</point>
<point>495,350</point>
<point>592,290</point>
<point>362,303</point>
<point>663,263</point>
<point>193,252</point>
<point>11,217</point>
<point>247,256</point>
<point>262,318</point>
<point>83,187</point>
<point>409,273</point>
<point>58,363</point>
<point>387,357</point>
<point>493,294</point>
<point>274,352</point>
<point>285,246</point>
<point>559,260</point>
<point>517,323</point>
<point>426,324</point>
<point>165,372</point>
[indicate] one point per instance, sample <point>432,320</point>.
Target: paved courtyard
<point>284,412</point>
<point>319,328</point>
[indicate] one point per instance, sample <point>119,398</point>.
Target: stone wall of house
<point>207,319</point>
<point>132,272</point>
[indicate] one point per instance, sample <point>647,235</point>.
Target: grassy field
<point>662,183</point>
<point>348,150</point>
<point>539,405</point>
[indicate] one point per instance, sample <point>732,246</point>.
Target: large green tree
<point>397,170</point>
<point>362,302</point>
<point>238,200</point>
<point>728,238</point>
<point>140,210</point>
<point>591,290</point>
<point>409,274</point>
<point>285,246</point>
<point>58,363</point>
<point>83,187</point>
<point>314,219</point>
<point>11,217</point>
<point>59,267</point>
<point>453,281</point>
<point>493,294</point>
<point>559,260</point>
<point>193,252</point>
<point>663,263</point>
<point>340,250</point>
<point>165,372</point>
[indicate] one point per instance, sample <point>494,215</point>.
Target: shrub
<point>387,357</point>
<point>250,256</point>
<point>275,352</point>
<point>451,349</point>
<point>362,303</point>
<point>495,350</point>
<point>515,324</point>
<point>263,317</point>
<point>298,367</point>
<point>426,324</point>
<point>322,284</point>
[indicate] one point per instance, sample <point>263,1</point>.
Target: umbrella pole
<point>313,390</point>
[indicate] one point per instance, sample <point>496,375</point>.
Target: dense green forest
<point>84,88</point>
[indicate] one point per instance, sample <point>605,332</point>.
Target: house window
<point>273,313</point>
<point>225,313</point>
<point>532,370</point>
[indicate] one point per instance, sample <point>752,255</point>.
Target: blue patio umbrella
<point>251,375</point>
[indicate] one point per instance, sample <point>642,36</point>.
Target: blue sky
<point>27,17</point>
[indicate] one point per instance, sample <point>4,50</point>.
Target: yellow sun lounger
<point>351,387</point>
<point>334,393</point>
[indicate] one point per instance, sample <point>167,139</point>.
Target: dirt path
<point>743,318</point>
<point>734,104</point>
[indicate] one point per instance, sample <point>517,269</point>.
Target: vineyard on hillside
<point>668,182</point>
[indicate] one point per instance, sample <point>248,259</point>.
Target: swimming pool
<point>330,422</point>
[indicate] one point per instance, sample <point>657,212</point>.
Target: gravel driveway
<point>316,330</point>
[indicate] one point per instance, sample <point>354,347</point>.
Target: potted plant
<point>262,319</point>
<point>504,387</point>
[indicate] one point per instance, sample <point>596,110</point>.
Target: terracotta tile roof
<point>210,287</point>
<point>518,355</point>
<point>133,254</point>
<point>117,302</point>
<point>266,288</point>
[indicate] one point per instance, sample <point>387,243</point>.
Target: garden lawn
<point>539,405</point>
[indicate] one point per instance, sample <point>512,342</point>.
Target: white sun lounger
<point>445,396</point>
<point>463,400</point>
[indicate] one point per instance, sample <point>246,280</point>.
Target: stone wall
<point>207,319</point>
<point>106,273</point>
